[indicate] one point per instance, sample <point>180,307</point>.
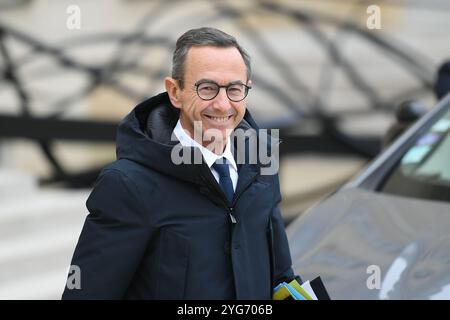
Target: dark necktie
<point>224,178</point>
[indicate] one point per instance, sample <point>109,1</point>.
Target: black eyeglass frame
<point>247,88</point>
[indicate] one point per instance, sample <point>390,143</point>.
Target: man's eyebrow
<point>236,82</point>
<point>209,80</point>
<point>204,80</point>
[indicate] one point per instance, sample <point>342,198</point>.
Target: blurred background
<point>329,74</point>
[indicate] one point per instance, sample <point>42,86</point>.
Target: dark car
<point>386,234</point>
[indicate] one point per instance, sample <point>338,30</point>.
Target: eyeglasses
<point>208,90</point>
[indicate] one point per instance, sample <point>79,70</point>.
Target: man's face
<point>222,66</point>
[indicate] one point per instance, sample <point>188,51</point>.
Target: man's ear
<point>173,90</point>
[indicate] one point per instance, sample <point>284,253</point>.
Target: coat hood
<point>145,136</point>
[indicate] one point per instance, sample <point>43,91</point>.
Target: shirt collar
<point>209,156</point>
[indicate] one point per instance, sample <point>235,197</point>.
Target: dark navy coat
<point>160,230</point>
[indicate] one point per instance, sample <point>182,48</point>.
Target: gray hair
<point>203,37</point>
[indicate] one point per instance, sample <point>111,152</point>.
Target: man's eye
<point>207,88</point>
<point>235,89</point>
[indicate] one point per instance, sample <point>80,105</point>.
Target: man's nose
<point>221,101</point>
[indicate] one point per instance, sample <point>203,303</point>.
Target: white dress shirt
<point>209,156</point>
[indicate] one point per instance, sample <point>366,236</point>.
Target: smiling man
<point>161,229</point>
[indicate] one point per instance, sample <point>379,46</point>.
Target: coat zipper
<point>231,209</point>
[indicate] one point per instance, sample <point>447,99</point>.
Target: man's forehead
<point>222,65</point>
<point>214,58</point>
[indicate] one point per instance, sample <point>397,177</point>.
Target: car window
<point>424,170</point>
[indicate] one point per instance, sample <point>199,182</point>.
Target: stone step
<point>38,234</point>
<point>46,285</point>
<point>41,204</point>
<point>23,248</point>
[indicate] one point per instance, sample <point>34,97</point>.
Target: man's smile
<point>218,119</point>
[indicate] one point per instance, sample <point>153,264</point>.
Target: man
<point>207,227</point>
